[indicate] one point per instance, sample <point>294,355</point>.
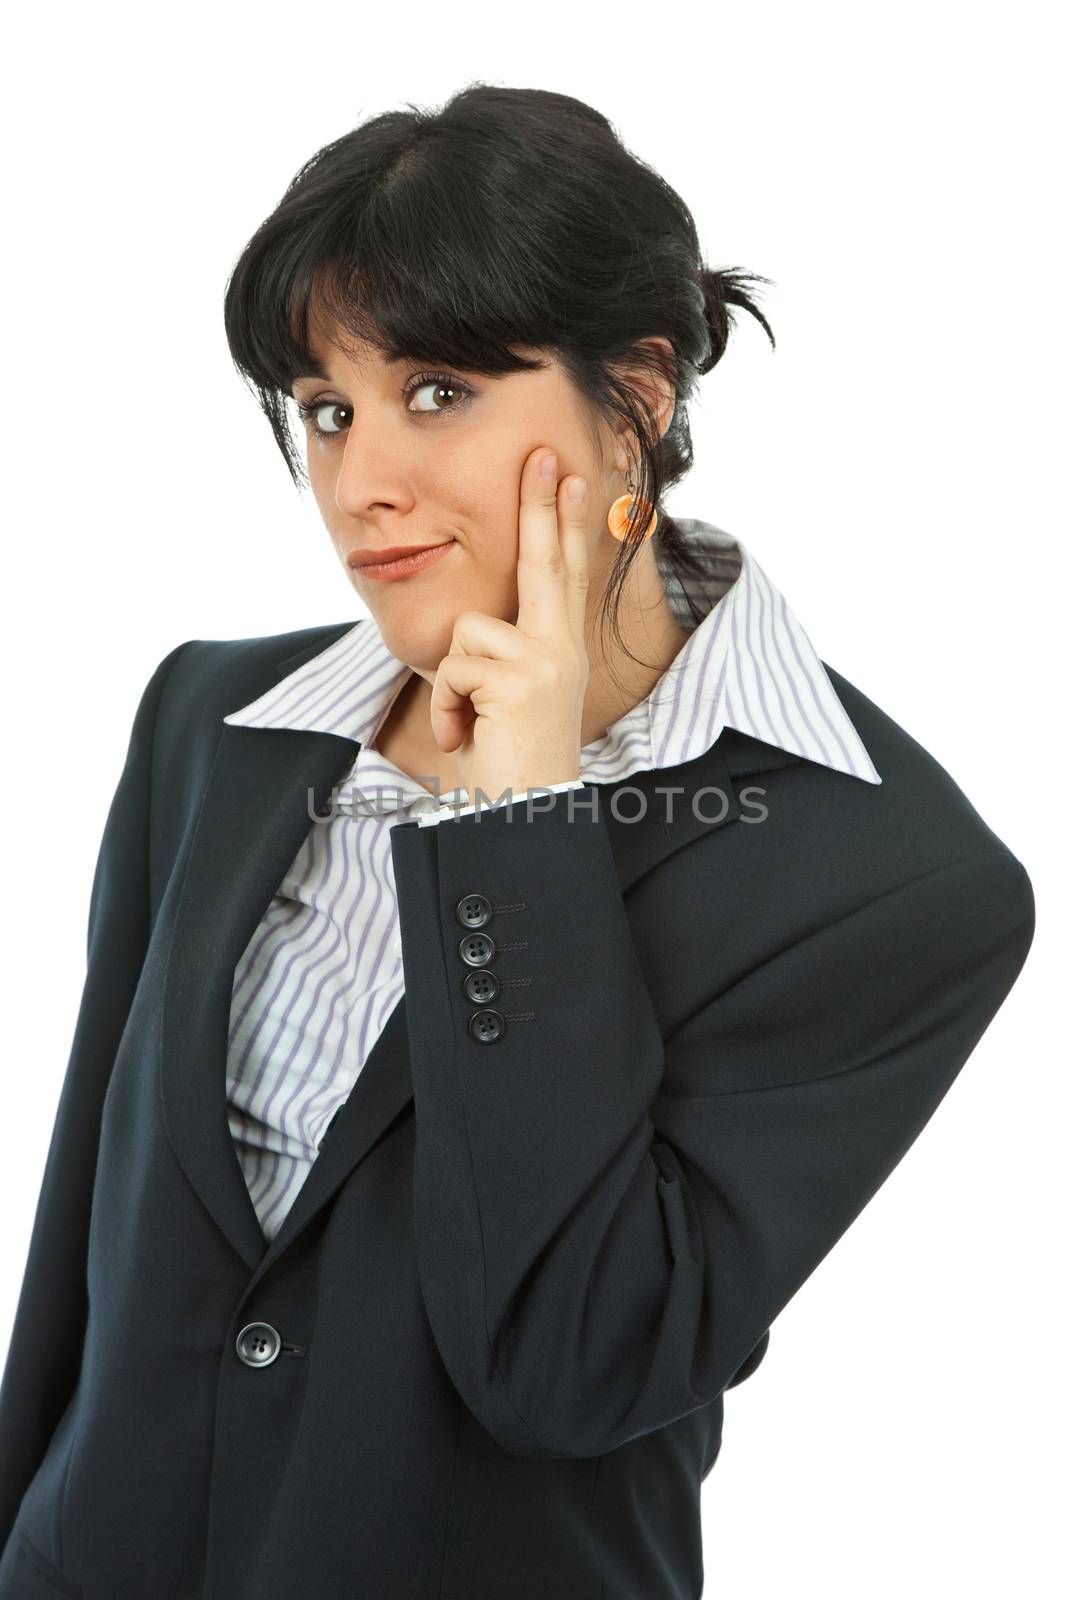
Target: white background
<point>895,467</point>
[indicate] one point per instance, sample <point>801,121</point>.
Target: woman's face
<point>408,459</point>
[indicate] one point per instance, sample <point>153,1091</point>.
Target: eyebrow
<point>320,372</point>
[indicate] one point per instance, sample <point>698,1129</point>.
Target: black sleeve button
<point>473,911</point>
<point>486,1027</point>
<point>481,987</point>
<point>476,950</point>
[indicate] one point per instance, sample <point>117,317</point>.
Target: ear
<point>654,377</point>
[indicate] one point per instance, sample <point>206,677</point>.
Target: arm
<point>607,1222</point>
<point>44,1354</point>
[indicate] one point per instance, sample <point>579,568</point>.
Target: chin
<point>418,628</point>
<point>421,643</point>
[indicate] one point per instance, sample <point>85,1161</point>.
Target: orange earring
<point>623,515</point>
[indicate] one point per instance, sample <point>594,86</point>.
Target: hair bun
<point>724,288</point>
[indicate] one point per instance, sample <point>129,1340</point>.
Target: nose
<point>374,474</point>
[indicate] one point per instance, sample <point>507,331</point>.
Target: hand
<point>507,700</point>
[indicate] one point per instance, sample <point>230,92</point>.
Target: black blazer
<point>496,1326</point>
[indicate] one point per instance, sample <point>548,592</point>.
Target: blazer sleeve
<point>45,1348</point>
<point>608,1221</point>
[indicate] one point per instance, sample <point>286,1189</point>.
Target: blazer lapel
<point>650,815</point>
<point>253,819</point>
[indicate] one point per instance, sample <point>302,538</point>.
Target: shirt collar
<point>748,664</point>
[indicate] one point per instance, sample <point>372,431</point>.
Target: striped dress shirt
<point>322,973</point>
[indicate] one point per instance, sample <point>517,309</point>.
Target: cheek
<point>481,471</point>
<point>323,488</point>
<point>485,577</point>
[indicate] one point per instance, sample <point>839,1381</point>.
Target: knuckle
<point>463,619</point>
<point>545,670</point>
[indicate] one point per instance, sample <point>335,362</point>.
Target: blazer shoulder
<point>918,803</point>
<point>210,678</point>
<point>831,844</point>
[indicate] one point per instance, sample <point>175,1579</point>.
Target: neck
<point>648,629</point>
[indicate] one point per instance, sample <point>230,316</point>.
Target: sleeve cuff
<point>432,818</point>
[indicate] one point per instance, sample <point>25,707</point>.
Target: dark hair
<point>510,217</point>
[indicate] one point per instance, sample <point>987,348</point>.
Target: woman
<point>425,1172</point>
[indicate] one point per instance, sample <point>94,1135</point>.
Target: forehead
<point>330,343</point>
<point>346,354</point>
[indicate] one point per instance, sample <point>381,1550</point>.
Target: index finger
<point>553,557</point>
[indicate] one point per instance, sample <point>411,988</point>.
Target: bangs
<point>364,269</point>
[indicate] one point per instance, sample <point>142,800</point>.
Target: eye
<point>442,386</point>
<point>310,413</point>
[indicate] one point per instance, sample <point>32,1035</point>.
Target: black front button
<point>473,911</point>
<point>481,987</point>
<point>486,1026</point>
<point>258,1344</point>
<point>477,950</point>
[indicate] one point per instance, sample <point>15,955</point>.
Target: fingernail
<point>548,466</point>
<point>576,488</point>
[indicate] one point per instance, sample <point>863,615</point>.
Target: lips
<point>395,552</point>
<point>416,558</point>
